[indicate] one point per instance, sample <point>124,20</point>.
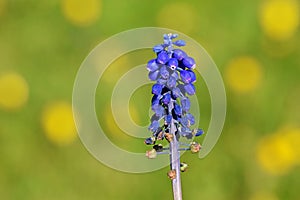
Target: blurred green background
<point>255,44</point>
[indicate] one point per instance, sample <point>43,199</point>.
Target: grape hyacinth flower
<point>172,69</point>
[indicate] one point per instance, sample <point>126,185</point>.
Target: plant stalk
<point>175,161</point>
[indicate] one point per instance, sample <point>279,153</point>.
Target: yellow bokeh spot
<point>178,16</point>
<point>243,74</point>
<point>275,154</point>
<point>13,91</point>
<point>279,18</point>
<point>263,196</point>
<point>81,13</point>
<point>58,123</point>
<point>292,135</point>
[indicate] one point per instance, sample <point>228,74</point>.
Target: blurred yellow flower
<point>58,123</point>
<point>243,74</point>
<point>292,135</point>
<point>186,21</point>
<point>275,154</point>
<point>279,18</point>
<point>81,13</point>
<point>263,196</point>
<point>13,91</point>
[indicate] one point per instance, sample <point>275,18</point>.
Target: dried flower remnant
<point>183,167</point>
<point>195,147</point>
<point>169,137</point>
<point>172,174</point>
<point>151,154</point>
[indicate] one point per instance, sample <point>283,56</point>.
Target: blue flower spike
<point>172,70</point>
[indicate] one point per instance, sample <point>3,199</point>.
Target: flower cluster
<point>172,70</point>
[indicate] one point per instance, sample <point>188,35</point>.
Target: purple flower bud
<point>159,110</point>
<point>192,75</point>
<point>185,76</point>
<point>181,87</point>
<point>186,104</point>
<point>179,54</point>
<point>189,62</point>
<point>171,82</point>
<point>168,43</point>
<point>164,72</point>
<point>168,119</point>
<point>186,132</point>
<point>191,118</point>
<point>198,132</point>
<point>166,37</point>
<point>155,99</point>
<point>152,65</point>
<point>162,57</point>
<point>177,109</point>
<point>179,43</point>
<point>156,89</point>
<point>166,99</point>
<point>158,48</point>
<point>154,126</point>
<point>175,75</point>
<point>150,141</point>
<point>176,92</point>
<point>154,118</point>
<point>153,75</point>
<point>162,81</point>
<point>173,63</point>
<point>184,121</point>
<point>190,89</point>
<point>173,36</point>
